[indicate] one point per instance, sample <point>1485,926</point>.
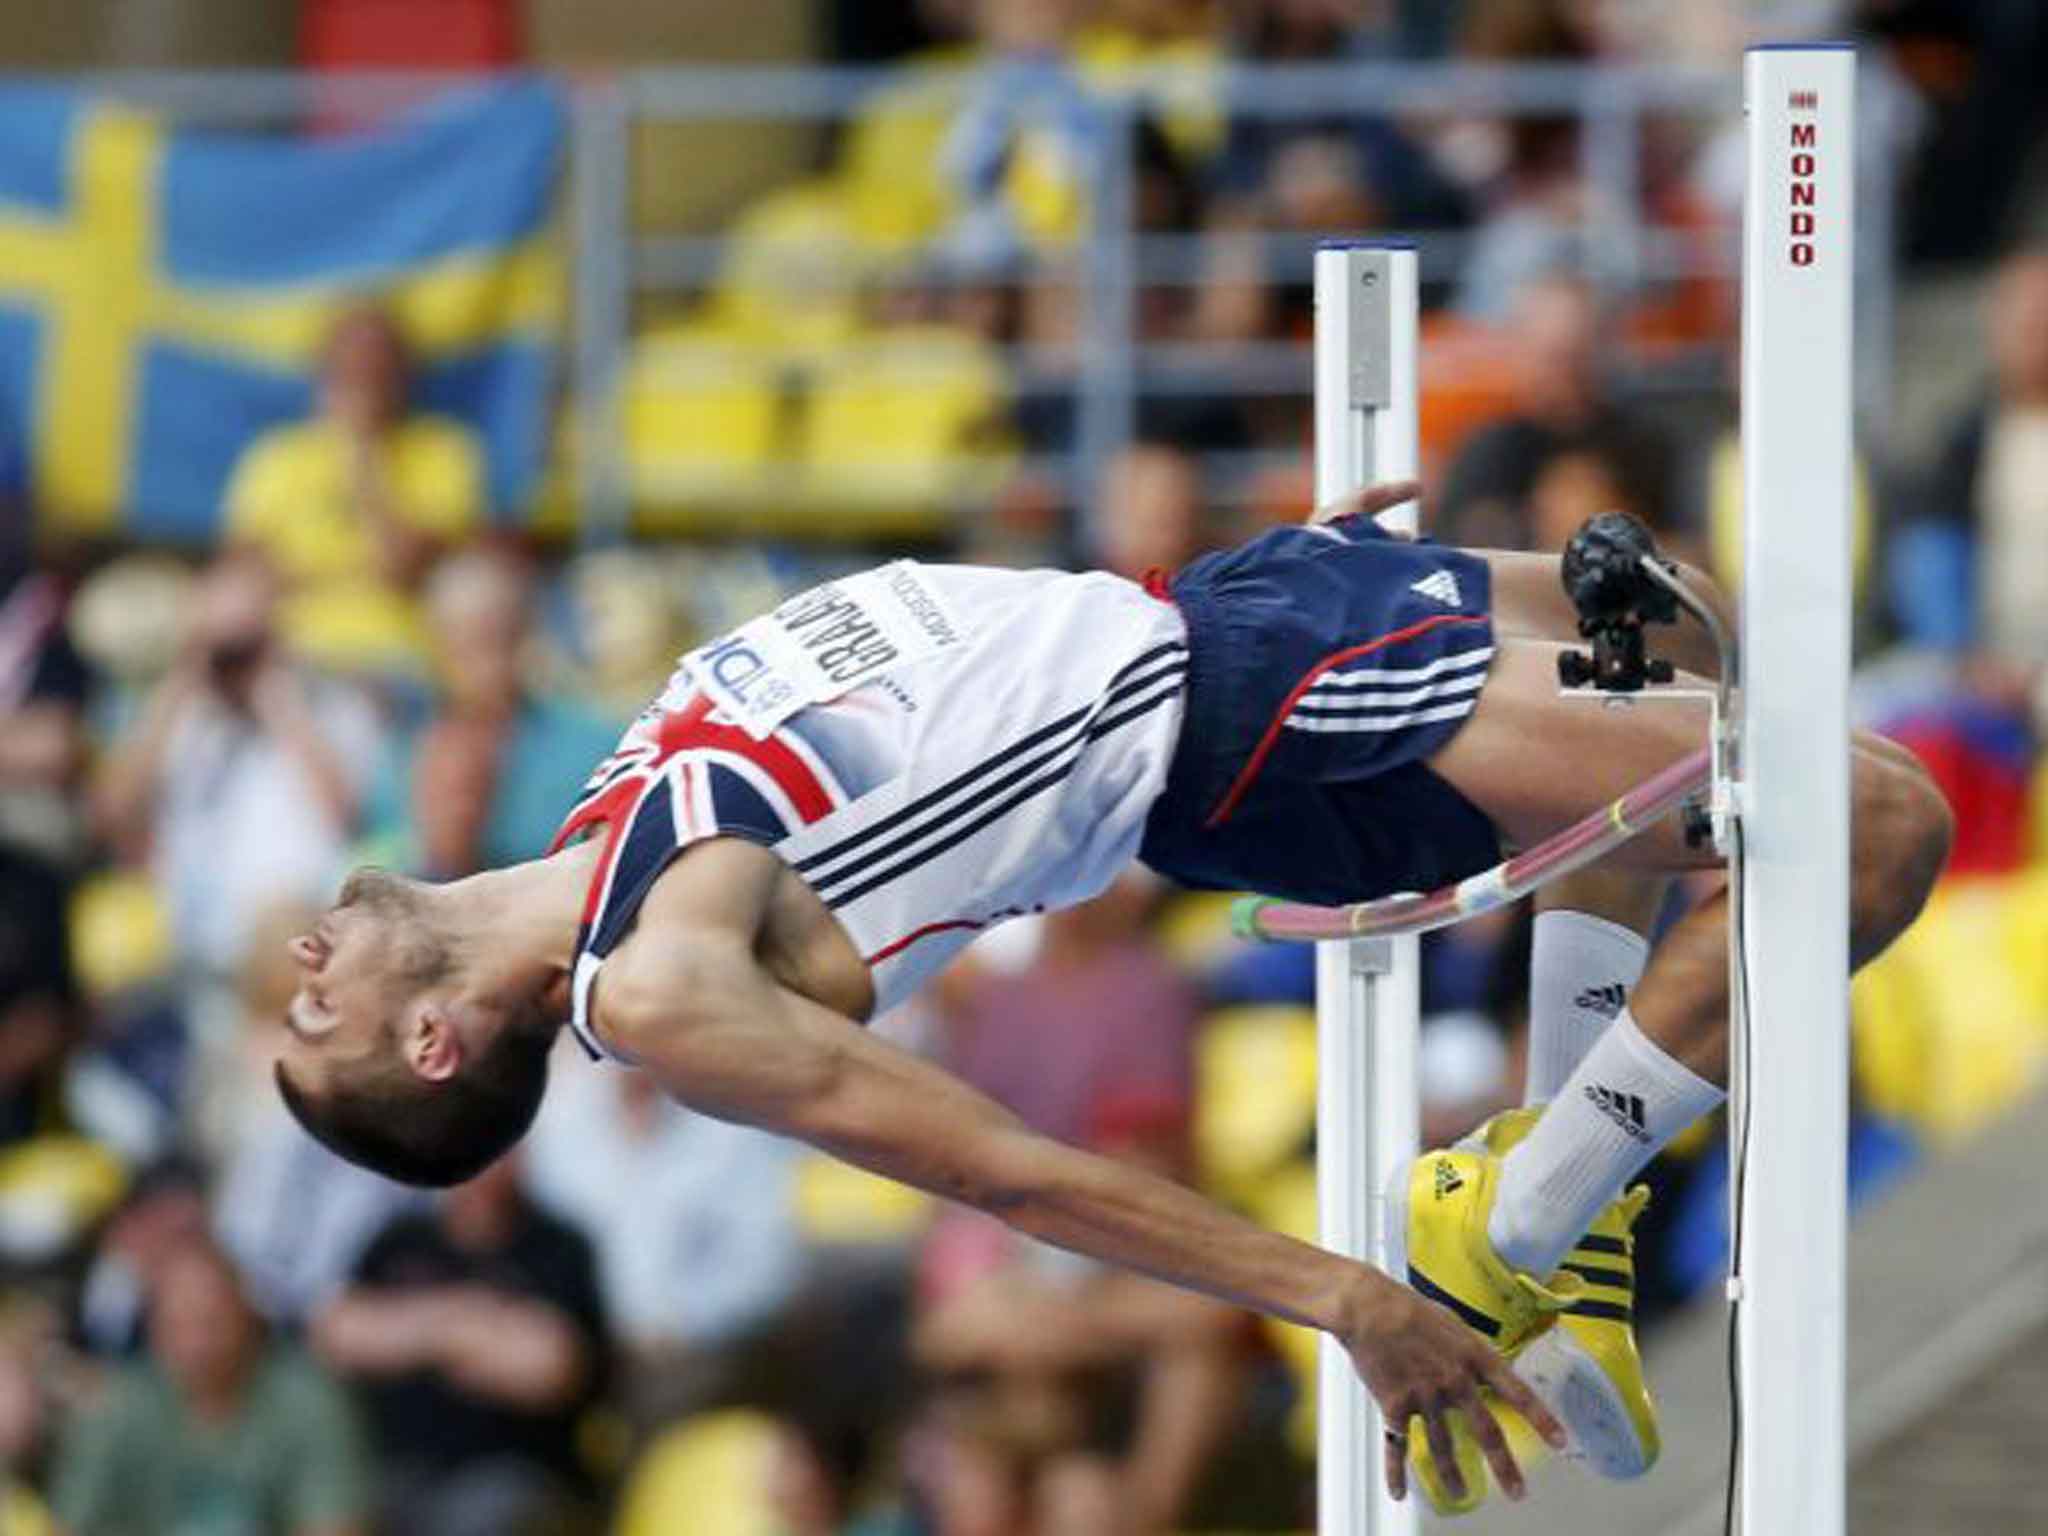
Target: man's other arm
<point>688,1000</point>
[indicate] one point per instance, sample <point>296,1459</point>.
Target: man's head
<point>393,1058</point>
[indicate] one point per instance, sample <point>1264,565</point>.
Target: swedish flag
<point>164,294</point>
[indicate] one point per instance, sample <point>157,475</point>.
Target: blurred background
<point>390,388</point>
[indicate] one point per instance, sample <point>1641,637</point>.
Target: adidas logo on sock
<point>1624,1109</point>
<point>1441,587</point>
<point>1448,1180</point>
<point>1606,1001</point>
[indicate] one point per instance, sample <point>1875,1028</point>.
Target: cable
<point>1738,1172</point>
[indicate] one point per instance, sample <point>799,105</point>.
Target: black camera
<point>1615,598</point>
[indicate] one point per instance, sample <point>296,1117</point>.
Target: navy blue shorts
<point>1324,666</point>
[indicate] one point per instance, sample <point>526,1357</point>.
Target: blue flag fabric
<point>164,292</point>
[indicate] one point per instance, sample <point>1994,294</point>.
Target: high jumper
<point>825,805</point>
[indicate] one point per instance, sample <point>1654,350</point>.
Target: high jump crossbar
<point>1786,792</point>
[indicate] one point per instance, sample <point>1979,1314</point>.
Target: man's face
<point>352,965</point>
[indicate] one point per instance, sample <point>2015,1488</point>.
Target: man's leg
<point>1534,762</point>
<point>1590,939</point>
<point>1586,955</point>
<point>1609,1093</point>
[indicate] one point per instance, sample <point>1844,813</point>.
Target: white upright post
<point>1366,994</point>
<point>1797,404</point>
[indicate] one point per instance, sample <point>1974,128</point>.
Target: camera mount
<point>1607,575</point>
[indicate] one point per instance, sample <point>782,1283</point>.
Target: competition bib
<point>821,644</point>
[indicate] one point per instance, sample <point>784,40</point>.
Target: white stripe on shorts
<point>1363,722</point>
<point>1372,677</point>
<point>1353,700</point>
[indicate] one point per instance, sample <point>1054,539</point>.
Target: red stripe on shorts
<point>1241,785</point>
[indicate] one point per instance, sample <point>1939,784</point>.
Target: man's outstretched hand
<point>1415,1357</point>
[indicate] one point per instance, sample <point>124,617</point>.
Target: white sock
<point>1613,1114</point>
<point>1581,971</point>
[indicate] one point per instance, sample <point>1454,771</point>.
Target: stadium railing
<point>620,268</point>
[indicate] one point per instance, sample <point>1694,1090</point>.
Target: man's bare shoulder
<point>703,915</point>
<point>720,887</point>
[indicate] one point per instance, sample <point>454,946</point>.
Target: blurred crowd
<point>646,1320</point>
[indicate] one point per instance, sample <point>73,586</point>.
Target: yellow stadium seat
<point>1183,76</point>
<point>1195,929</point>
<point>703,413</point>
<point>897,194</point>
<point>53,1191</point>
<point>1046,190</point>
<point>709,1476</point>
<point>1255,1094</point>
<point>1950,1032</point>
<point>905,426</point>
<point>1287,1203</point>
<point>120,935</point>
<point>2024,940</point>
<point>893,167</point>
<point>840,1206</point>
<point>793,271</point>
<point>23,1513</point>
<point>1724,516</point>
<point>1892,1023</point>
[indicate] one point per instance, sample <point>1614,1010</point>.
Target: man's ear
<point>431,1046</point>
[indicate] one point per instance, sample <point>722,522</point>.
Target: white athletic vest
<point>932,748</point>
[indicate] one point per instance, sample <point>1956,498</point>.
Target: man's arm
<point>687,999</point>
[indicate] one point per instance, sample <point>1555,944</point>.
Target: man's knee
<point>1902,832</point>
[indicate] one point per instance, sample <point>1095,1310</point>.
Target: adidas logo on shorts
<point>1441,587</point>
<point>1606,1001</point>
<point>1448,1180</point>
<point>1624,1109</point>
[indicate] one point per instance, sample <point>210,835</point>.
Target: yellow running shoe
<point>1437,1216</point>
<point>1587,1369</point>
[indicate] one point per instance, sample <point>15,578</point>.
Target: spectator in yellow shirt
<point>352,506</point>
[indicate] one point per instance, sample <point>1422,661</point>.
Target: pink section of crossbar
<point>1574,848</point>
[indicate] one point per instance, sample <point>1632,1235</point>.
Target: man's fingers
<point>1516,1393</point>
<point>1443,1449</point>
<point>1397,1465</point>
<point>1486,1430</point>
<point>1375,499</point>
<point>1369,501</point>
